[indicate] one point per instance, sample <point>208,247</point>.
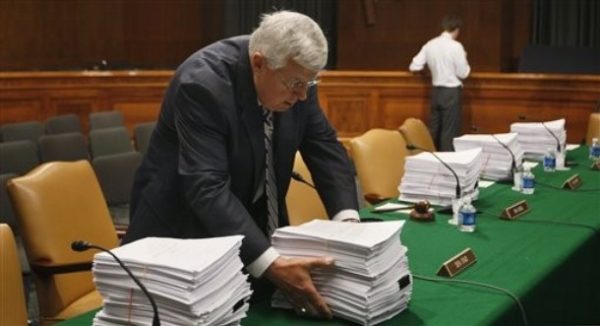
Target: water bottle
<point>550,160</point>
<point>456,204</point>
<point>467,216</point>
<point>528,186</point>
<point>595,149</point>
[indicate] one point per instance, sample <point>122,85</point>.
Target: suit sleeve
<point>203,131</point>
<point>327,161</point>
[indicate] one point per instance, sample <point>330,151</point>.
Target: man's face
<point>281,88</point>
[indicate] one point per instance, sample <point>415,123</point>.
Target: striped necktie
<point>270,180</point>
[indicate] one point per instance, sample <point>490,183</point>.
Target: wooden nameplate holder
<point>458,263</point>
<point>515,210</point>
<point>572,182</point>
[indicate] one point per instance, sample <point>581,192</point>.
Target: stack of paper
<point>536,138</point>
<point>497,153</point>
<point>370,281</point>
<point>426,178</point>
<point>193,281</point>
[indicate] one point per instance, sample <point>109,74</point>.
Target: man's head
<point>452,24</point>
<point>287,50</point>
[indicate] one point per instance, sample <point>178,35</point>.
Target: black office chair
<point>63,147</point>
<point>142,133</point>
<point>115,174</point>
<point>106,119</point>
<point>18,156</point>
<point>62,124</point>
<point>110,141</point>
<point>30,130</point>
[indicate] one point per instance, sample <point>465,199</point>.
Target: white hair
<point>285,35</point>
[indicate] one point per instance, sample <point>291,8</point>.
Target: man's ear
<point>258,61</point>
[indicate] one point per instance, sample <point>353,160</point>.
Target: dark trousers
<point>445,118</point>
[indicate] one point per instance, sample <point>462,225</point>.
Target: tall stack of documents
<point>193,281</point>
<point>426,178</point>
<point>497,160</point>
<point>370,281</point>
<point>536,138</point>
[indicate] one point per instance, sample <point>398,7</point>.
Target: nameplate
<point>573,182</point>
<point>596,165</point>
<point>515,210</point>
<point>458,263</point>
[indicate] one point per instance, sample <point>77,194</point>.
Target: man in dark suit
<point>231,108</point>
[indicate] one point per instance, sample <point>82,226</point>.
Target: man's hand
<point>292,277</point>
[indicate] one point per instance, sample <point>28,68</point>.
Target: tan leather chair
<point>12,297</point>
<point>303,202</point>
<point>379,156</point>
<point>59,202</point>
<point>415,132</point>
<point>593,128</point>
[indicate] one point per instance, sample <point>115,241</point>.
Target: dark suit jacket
<point>206,156</point>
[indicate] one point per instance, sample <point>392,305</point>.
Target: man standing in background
<point>447,60</point>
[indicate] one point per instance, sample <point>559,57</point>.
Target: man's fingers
<point>322,262</point>
<point>317,302</point>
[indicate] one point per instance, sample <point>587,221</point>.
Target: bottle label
<point>596,151</point>
<point>528,183</point>
<point>550,162</point>
<point>468,219</point>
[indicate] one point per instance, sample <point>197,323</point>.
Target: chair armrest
<point>47,269</point>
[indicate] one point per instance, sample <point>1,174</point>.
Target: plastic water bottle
<point>456,204</point>
<point>595,149</point>
<point>467,216</point>
<point>528,186</point>
<point>550,160</point>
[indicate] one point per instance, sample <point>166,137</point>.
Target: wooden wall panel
<point>354,101</point>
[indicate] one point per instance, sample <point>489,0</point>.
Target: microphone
<point>411,147</point>
<point>298,177</point>
<point>80,246</point>
<point>553,135</point>
<point>514,161</point>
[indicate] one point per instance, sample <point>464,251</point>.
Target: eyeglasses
<point>297,85</point>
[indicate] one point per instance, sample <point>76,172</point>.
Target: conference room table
<point>549,259</point>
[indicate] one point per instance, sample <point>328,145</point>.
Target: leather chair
<point>379,156</point>
<point>593,130</point>
<point>106,119</point>
<point>13,309</point>
<point>59,202</point>
<point>142,133</point>
<point>415,132</point>
<point>302,201</point>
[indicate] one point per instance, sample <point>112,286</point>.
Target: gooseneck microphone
<point>80,245</point>
<point>298,177</point>
<point>554,136</point>
<point>514,161</point>
<point>411,147</point>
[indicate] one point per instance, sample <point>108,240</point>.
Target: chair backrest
<point>303,202</point>
<point>106,119</point>
<point>142,134</point>
<point>59,202</point>
<point>18,156</point>
<point>415,132</point>
<point>30,130</point>
<point>7,213</point>
<point>110,141</point>
<point>593,130</point>
<point>63,147</point>
<point>115,174</point>
<point>12,296</point>
<point>62,124</point>
<point>379,156</point>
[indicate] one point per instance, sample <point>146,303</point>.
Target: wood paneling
<point>354,101</point>
<point>494,32</point>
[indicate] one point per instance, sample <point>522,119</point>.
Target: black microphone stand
<point>458,188</point>
<point>84,245</point>
<point>298,177</point>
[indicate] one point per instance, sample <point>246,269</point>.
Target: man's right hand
<point>292,277</point>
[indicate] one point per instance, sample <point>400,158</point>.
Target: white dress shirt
<point>446,59</point>
<point>260,264</point>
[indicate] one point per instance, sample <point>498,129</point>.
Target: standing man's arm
<point>461,65</point>
<point>419,61</point>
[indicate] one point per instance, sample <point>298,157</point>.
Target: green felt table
<point>549,258</point>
